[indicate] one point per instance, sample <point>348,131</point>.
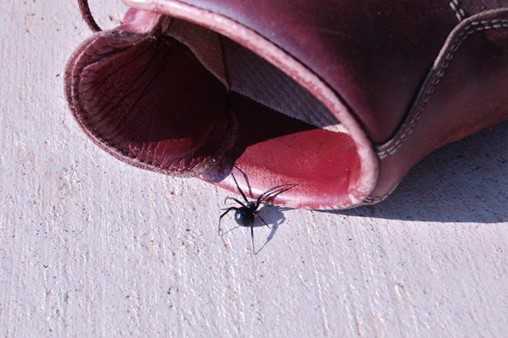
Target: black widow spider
<point>248,211</point>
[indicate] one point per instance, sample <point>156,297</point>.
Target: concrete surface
<point>90,247</point>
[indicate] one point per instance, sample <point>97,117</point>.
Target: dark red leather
<point>466,92</point>
<point>339,97</point>
<point>386,46</point>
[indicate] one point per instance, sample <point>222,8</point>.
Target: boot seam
<point>435,78</point>
<point>457,9</point>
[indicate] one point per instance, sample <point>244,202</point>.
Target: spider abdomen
<point>245,217</point>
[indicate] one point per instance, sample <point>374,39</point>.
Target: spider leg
<point>273,196</point>
<point>275,189</point>
<point>263,220</point>
<point>229,231</point>
<point>240,189</point>
<point>273,193</point>
<point>234,199</point>
<point>262,196</point>
<point>219,230</point>
<point>252,238</point>
<point>246,179</point>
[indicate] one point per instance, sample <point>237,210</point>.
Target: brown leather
<point>384,46</point>
<point>465,92</point>
<point>340,97</point>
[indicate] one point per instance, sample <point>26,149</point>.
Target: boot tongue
<point>245,73</point>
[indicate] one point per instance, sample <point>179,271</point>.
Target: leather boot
<point>340,97</point>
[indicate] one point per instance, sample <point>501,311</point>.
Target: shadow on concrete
<point>270,216</point>
<point>463,182</point>
<point>274,218</point>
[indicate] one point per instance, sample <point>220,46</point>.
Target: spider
<point>247,211</point>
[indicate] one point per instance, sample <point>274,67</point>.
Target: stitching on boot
<point>458,10</point>
<point>393,146</point>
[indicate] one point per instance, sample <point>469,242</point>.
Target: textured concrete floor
<point>90,247</point>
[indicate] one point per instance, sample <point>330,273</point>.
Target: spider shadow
<point>462,183</point>
<point>274,217</point>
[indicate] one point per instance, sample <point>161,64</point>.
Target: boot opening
<point>190,101</point>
